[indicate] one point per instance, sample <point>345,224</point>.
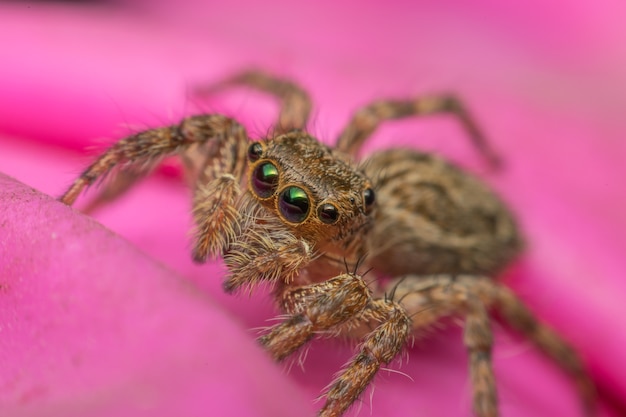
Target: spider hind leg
<point>431,298</point>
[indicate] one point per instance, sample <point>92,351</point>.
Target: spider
<point>304,217</point>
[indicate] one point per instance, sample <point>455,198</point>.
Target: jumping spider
<point>294,212</point>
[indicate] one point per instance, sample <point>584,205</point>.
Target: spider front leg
<point>334,305</point>
<point>124,179</point>
<point>366,121</point>
<point>378,348</point>
<point>295,104</point>
<point>147,148</point>
<point>218,181</point>
<point>313,309</point>
<point>216,191</point>
<point>430,298</point>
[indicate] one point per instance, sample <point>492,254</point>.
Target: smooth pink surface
<point>92,326</point>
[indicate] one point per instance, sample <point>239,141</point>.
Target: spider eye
<point>369,197</point>
<point>255,150</point>
<point>265,179</point>
<point>328,213</point>
<point>294,204</point>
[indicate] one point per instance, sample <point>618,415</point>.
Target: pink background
<point>109,317</point>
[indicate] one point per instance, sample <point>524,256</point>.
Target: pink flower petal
<point>92,326</point>
<point>71,75</point>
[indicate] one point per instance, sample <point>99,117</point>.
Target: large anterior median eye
<point>294,204</point>
<point>265,179</point>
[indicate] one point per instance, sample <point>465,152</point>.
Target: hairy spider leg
<point>295,103</point>
<point>520,318</point>
<point>427,299</point>
<point>314,308</point>
<point>221,170</point>
<point>378,348</point>
<point>217,190</point>
<point>332,306</point>
<point>366,120</point>
<point>295,108</point>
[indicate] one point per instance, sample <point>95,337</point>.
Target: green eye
<point>294,204</point>
<point>265,179</point>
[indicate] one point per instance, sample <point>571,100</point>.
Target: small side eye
<point>369,197</point>
<point>328,213</point>
<point>255,150</point>
<point>265,179</point>
<point>293,204</point>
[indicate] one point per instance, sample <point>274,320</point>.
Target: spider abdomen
<point>434,218</point>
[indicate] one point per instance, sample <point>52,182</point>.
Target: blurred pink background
<point>101,323</point>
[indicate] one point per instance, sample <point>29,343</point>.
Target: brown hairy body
<point>307,218</point>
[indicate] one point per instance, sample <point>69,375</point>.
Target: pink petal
<point>73,75</point>
<point>92,326</point>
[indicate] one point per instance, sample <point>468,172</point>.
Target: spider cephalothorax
<point>301,200</point>
<point>312,188</point>
<point>302,216</point>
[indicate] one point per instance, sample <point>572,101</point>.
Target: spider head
<point>313,190</point>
